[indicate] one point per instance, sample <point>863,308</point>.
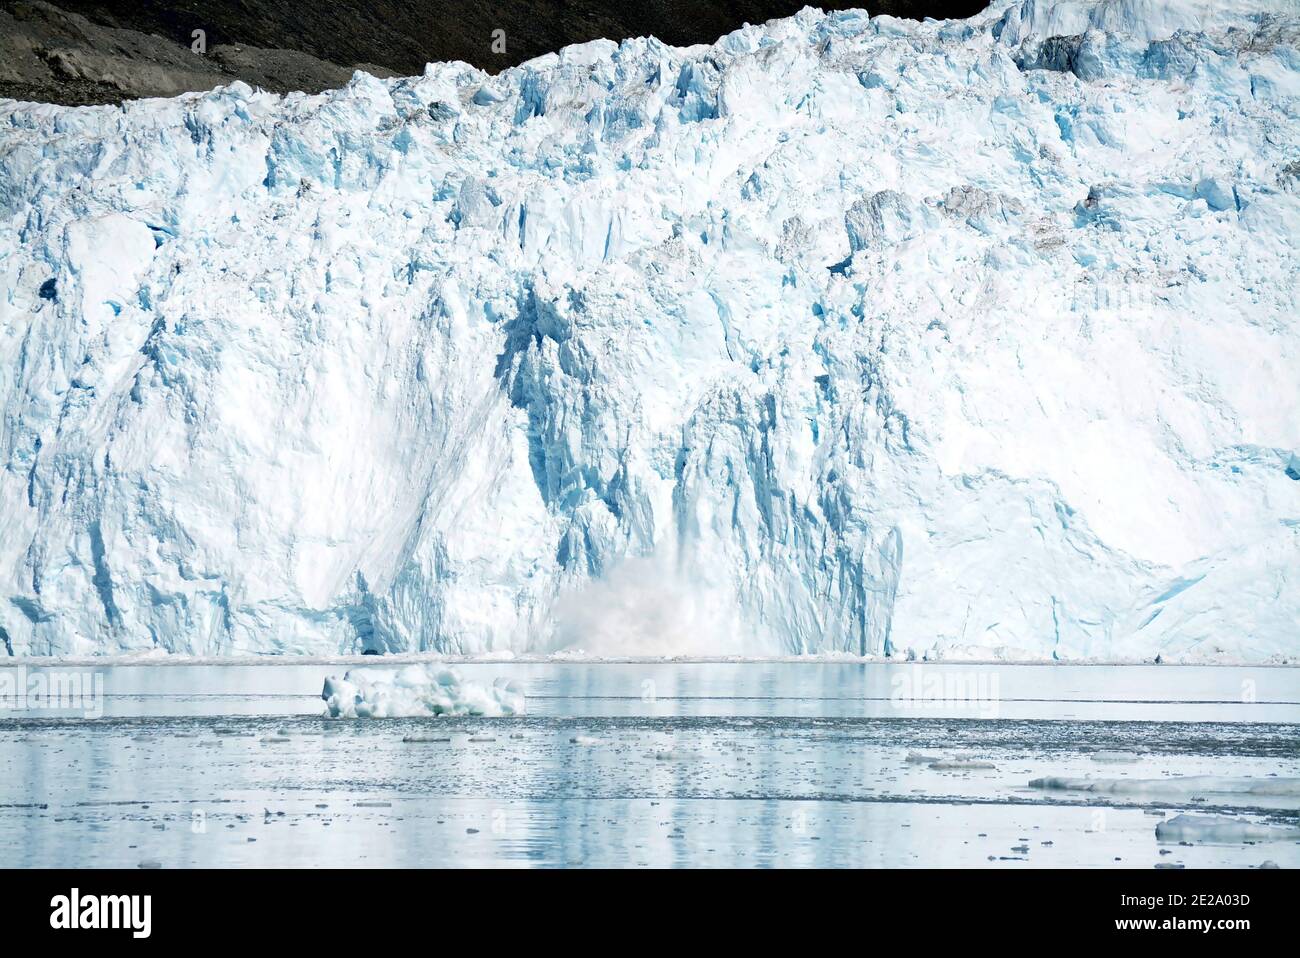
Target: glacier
<point>844,334</point>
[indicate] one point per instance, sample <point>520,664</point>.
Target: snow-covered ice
<point>417,690</point>
<point>959,339</point>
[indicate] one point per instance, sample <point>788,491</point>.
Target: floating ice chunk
<point>1221,828</point>
<point>1114,758</point>
<point>584,740</point>
<point>417,690</point>
<point>963,764</point>
<point>922,758</point>
<point>675,755</point>
<point>1187,785</point>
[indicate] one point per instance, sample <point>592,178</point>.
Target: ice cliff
<point>841,334</point>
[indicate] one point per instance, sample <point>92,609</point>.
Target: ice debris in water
<point>417,690</point>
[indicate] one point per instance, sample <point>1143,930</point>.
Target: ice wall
<point>842,334</point>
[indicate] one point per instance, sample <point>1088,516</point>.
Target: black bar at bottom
<point>340,907</point>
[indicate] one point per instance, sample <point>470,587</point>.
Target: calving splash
<point>841,335</point>
<point>418,691</point>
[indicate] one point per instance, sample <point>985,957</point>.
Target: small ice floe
<point>584,740</point>
<point>675,755</point>
<point>922,758</point>
<point>417,690</point>
<point>373,804</point>
<point>1221,828</point>
<point>482,738</point>
<point>274,739</point>
<point>962,764</point>
<point>1185,785</point>
<point>150,863</point>
<point>1109,757</point>
<point>426,739</point>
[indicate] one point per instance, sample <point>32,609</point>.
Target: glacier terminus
<point>844,334</point>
